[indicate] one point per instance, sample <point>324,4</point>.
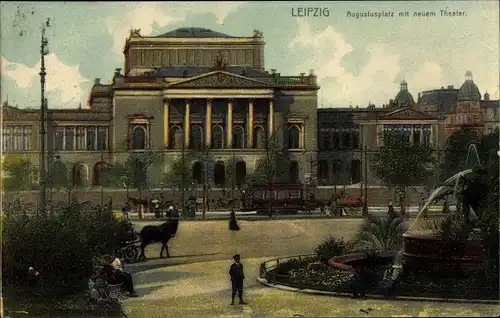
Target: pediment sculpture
<point>135,33</point>
<point>220,79</point>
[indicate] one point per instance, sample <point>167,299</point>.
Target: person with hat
<point>237,276</point>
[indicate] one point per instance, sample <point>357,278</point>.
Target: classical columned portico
<point>231,112</point>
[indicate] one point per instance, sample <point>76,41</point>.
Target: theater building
<point>190,88</point>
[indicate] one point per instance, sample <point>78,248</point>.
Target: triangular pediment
<point>219,79</point>
<point>407,113</point>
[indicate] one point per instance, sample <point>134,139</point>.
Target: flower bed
<point>313,274</point>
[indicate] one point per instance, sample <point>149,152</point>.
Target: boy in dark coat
<point>237,276</point>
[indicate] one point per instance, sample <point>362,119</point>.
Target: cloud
<point>339,87</point>
<point>430,75</point>
<point>145,16</point>
<point>220,10</point>
<point>65,84</point>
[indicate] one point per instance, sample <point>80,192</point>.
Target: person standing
<point>237,276</point>
<point>359,283</point>
<point>390,210</point>
<point>233,224</point>
<point>125,211</point>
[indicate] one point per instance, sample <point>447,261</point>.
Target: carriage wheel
<point>130,254</point>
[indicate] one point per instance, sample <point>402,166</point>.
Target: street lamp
<point>43,51</point>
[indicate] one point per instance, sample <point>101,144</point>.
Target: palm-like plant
<point>380,234</point>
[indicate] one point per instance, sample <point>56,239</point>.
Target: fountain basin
<point>430,253</point>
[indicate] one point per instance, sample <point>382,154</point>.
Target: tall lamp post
<point>43,186</point>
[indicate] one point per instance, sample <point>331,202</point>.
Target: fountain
<point>425,250</point>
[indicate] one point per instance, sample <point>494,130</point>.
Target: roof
<point>193,33</point>
<point>444,98</point>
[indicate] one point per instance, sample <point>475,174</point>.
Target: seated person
<point>122,277</point>
<point>99,295</point>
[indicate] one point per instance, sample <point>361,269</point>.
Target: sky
<point>357,59</point>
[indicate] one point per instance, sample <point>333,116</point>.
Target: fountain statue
<point>424,249</point>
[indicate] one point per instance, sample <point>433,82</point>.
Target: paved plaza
<point>195,282</point>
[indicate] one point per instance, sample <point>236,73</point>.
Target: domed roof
<point>193,33</point>
<point>469,90</point>
<point>404,98</point>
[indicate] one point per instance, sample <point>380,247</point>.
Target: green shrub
<point>61,246</point>
<point>380,234</point>
<point>329,248</point>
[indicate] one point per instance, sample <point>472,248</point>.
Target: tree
<point>401,165</point>
<point>133,171</point>
<point>456,150</point>
<point>17,173</point>
<point>273,165</point>
<point>231,174</point>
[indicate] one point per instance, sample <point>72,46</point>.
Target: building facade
<point>190,89</point>
<point>194,89</point>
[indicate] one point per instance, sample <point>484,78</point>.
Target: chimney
<point>118,72</point>
<point>97,81</point>
<point>450,86</point>
<point>486,96</point>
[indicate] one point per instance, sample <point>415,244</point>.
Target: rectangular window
<point>69,139</point>
<point>18,138</point>
<point>91,138</point>
<point>80,139</point>
<point>102,134</point>
<point>59,138</point>
<point>27,138</point>
<point>7,136</point>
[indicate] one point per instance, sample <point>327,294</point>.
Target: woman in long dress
<point>233,225</point>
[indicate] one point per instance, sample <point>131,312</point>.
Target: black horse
<point>156,234</point>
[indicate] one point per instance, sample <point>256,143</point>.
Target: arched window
<point>100,170</point>
<point>241,173</point>
<point>196,137</point>
<point>294,172</point>
<point>139,137</point>
<point>59,174</point>
<point>346,140</point>
<point>293,137</point>
<point>219,173</point>
<point>337,172</point>
<point>259,137</point>
<point>355,140</point>
<point>80,175</point>
<point>355,171</point>
<point>238,137</point>
<point>198,172</point>
<point>176,136</point>
<point>217,137</point>
<point>323,173</point>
